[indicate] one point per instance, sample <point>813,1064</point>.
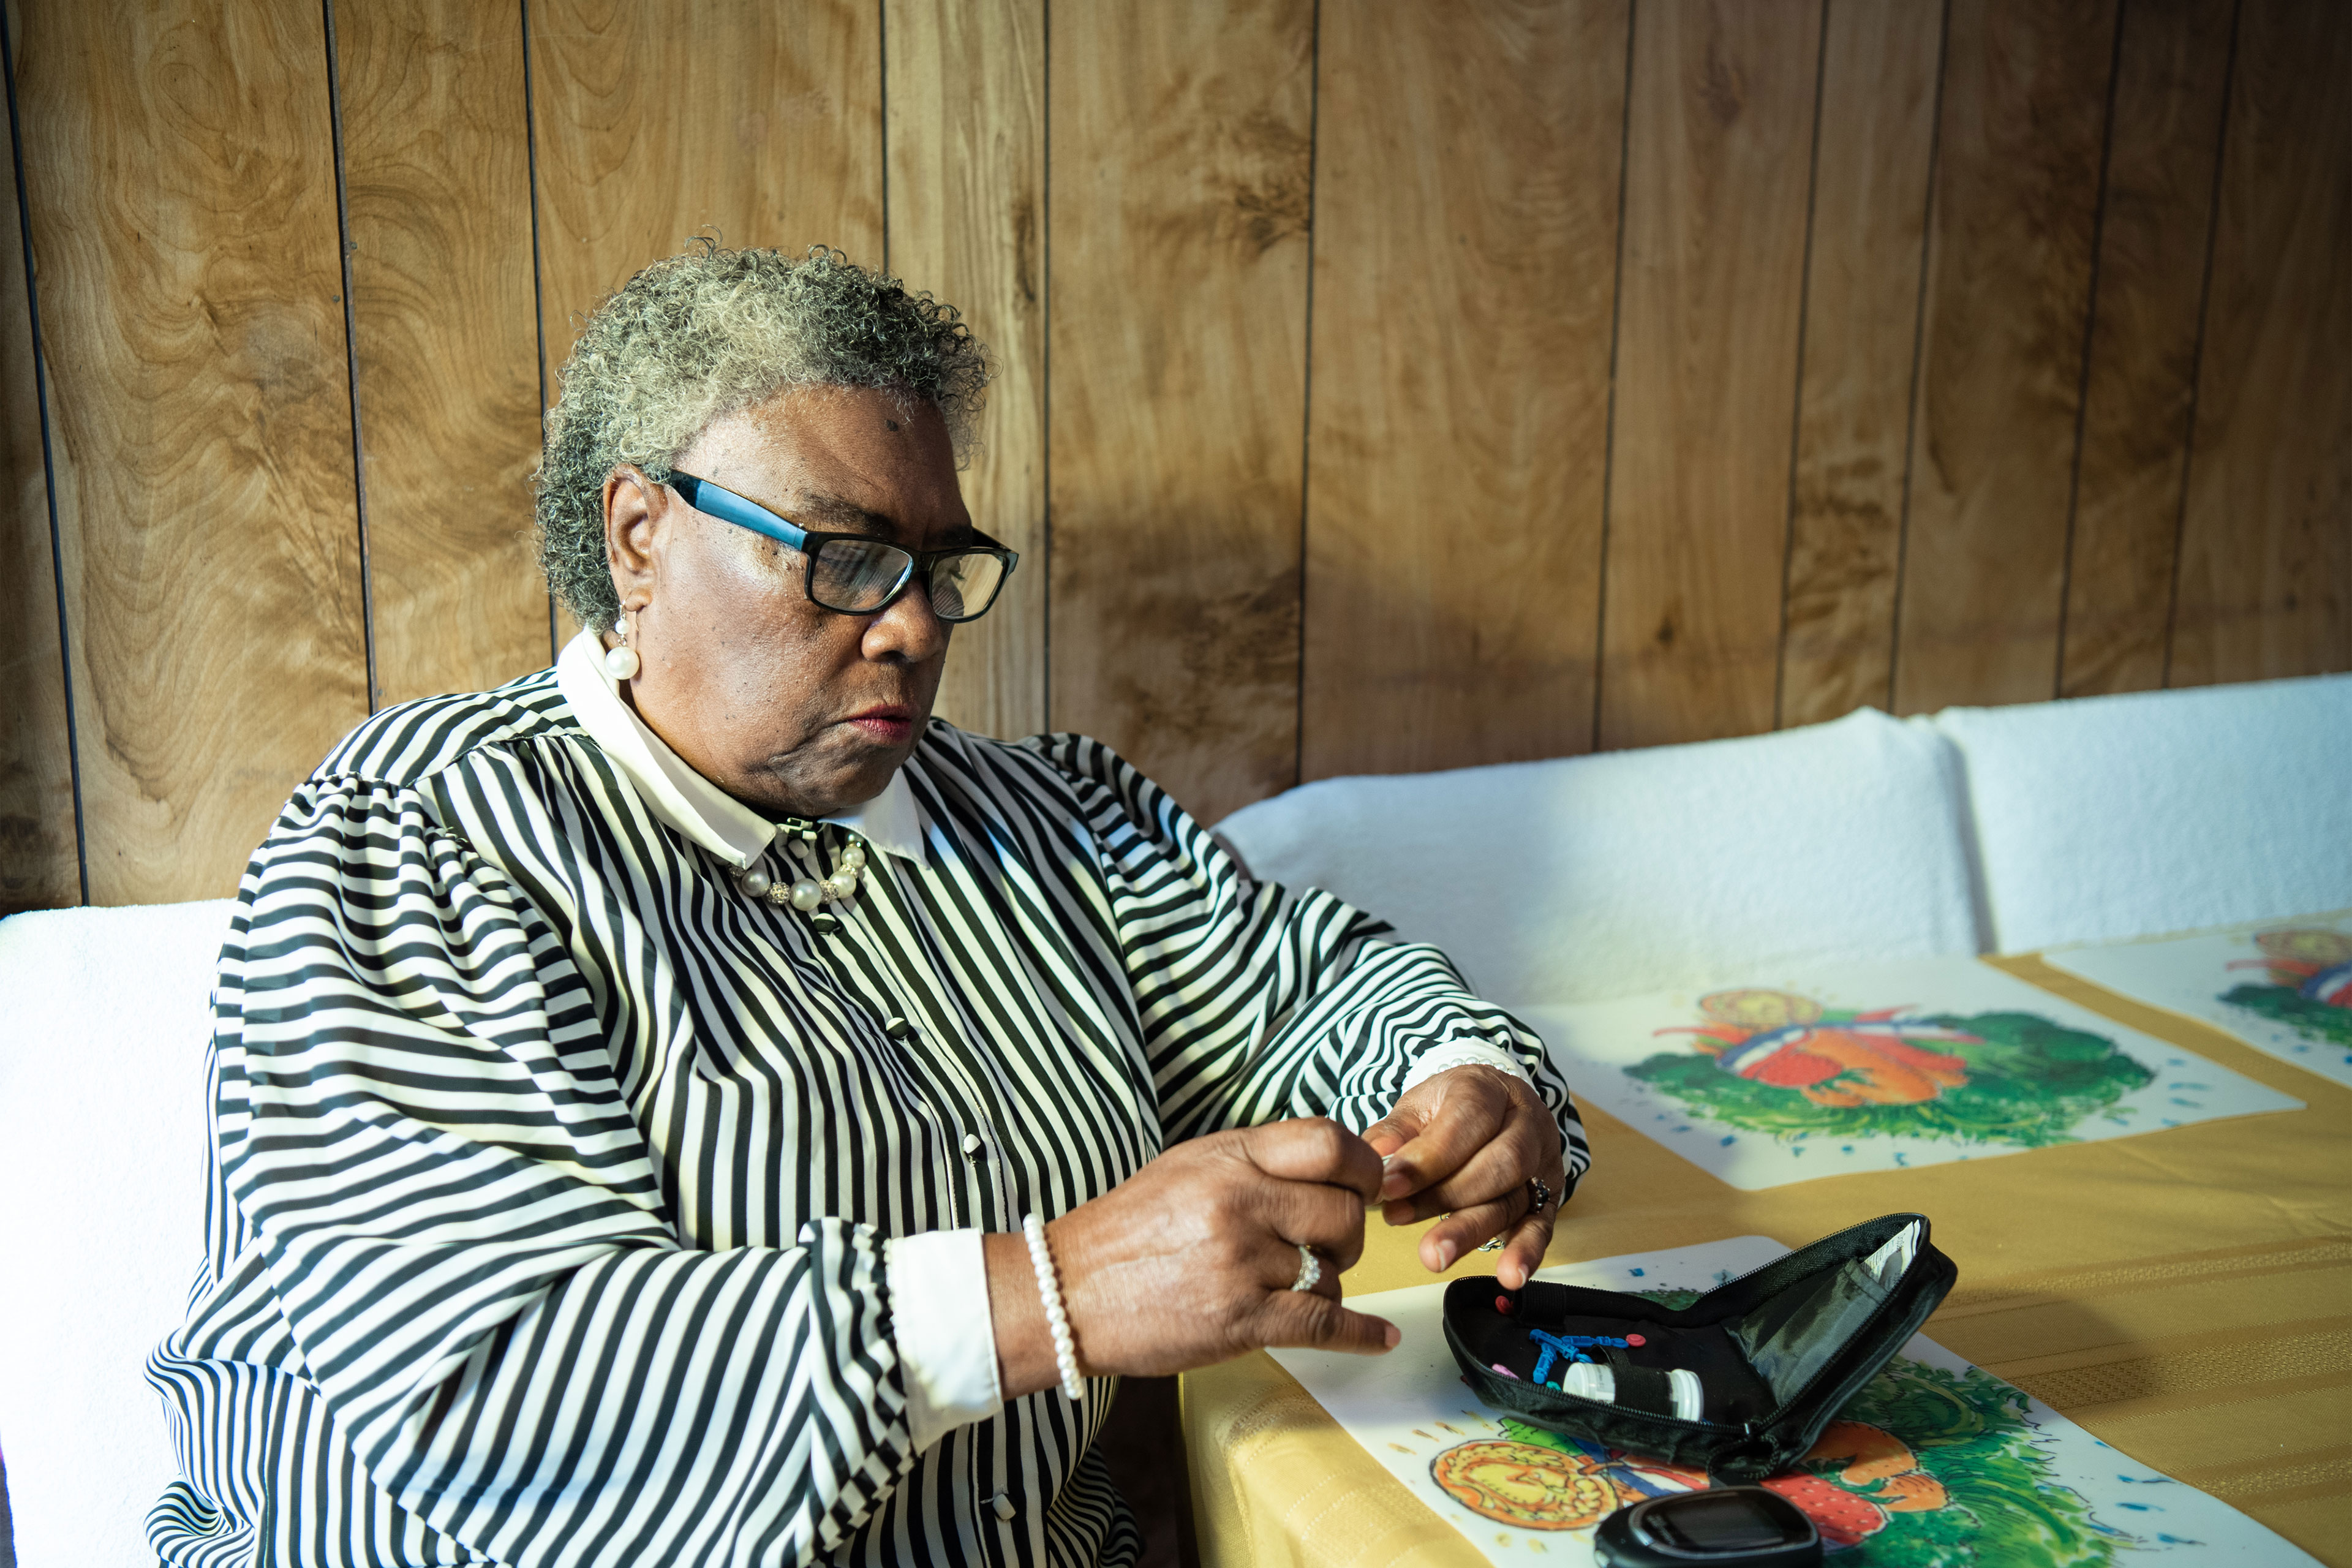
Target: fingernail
<point>1396,1183</point>
<point>1397,1213</point>
<point>1392,1336</point>
<point>1445,1256</point>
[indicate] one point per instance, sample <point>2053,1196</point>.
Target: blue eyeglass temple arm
<point>729,507</point>
<point>724,504</point>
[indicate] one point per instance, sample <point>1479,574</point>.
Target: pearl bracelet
<point>1049,1291</point>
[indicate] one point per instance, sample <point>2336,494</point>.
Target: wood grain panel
<point>1717,168</point>
<point>2171,70</point>
<point>658,119</point>
<point>966,90</point>
<point>1182,167</point>
<point>2009,289</point>
<point>1879,69</point>
<point>181,177</point>
<point>2267,551</point>
<point>1465,212</point>
<point>40,864</point>
<point>437,174</point>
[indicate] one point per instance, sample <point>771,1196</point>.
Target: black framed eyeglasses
<point>856,575</point>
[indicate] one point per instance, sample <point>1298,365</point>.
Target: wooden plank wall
<point>1384,384</point>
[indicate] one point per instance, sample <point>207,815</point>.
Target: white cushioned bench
<point>1594,877</point>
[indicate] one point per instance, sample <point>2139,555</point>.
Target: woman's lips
<point>889,725</point>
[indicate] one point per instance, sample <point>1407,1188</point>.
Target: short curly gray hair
<point>701,334</point>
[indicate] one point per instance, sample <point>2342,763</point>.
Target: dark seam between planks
<point>538,303</point>
<point>48,460</point>
<point>350,354</point>
<point>1045,368</point>
<point>1918,357</point>
<point>1609,426</point>
<point>2197,359</point>
<point>2090,335</point>
<point>1797,406</point>
<point>1307,390</point>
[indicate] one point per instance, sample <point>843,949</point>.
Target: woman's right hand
<point>1189,1261</point>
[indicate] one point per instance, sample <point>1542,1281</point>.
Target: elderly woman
<point>637,1090</point>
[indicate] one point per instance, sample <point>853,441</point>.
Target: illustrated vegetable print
<point>1832,1057</point>
<point>2314,964</point>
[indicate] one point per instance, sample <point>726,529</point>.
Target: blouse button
<point>972,1143</point>
<point>897,1028</point>
<point>1004,1506</point>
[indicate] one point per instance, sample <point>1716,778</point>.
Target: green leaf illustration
<point>2318,1021</point>
<point>2031,1081</point>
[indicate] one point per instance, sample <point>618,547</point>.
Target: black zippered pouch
<point>1739,1383</point>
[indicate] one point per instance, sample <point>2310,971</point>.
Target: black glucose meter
<point>1743,1525</point>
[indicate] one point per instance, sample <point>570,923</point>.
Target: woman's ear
<point>634,510</point>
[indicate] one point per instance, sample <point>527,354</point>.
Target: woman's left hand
<point>1466,1143</point>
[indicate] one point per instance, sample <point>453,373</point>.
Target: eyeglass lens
<point>964,586</point>
<point>849,574</point>
<point>853,575</point>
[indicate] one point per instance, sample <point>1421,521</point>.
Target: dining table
<point>2185,1294</point>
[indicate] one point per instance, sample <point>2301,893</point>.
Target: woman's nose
<point>906,628</point>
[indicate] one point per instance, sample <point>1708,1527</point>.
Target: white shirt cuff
<point>938,1282</point>
<point>1464,1054</point>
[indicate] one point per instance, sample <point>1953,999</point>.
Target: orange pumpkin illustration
<point>1832,1058</point>
<point>1538,1487</point>
<point>1533,1487</point>
<point>2316,963</point>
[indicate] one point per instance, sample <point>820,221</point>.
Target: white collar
<point>686,800</point>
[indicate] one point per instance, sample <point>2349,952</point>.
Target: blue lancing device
<point>1572,1346</point>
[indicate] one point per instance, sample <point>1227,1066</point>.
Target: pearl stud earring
<point>621,663</point>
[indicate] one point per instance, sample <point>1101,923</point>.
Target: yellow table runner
<point>2185,1294</point>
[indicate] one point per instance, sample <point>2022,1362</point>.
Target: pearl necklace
<point>806,893</point>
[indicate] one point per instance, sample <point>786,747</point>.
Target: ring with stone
<point>1541,1193</point>
<point>1310,1268</point>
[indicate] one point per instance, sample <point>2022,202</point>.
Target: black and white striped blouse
<point>553,1174</point>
